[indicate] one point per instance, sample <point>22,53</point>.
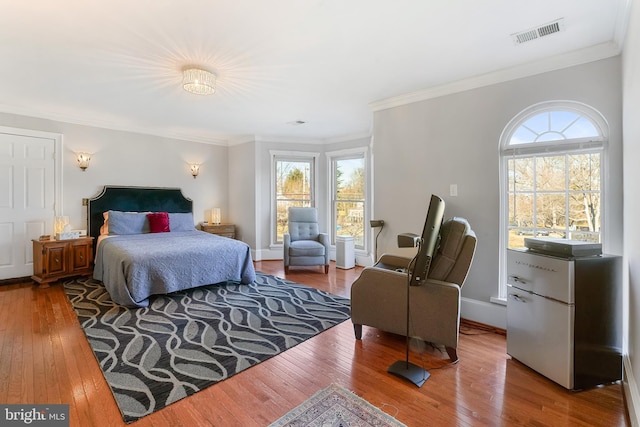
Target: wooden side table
<point>224,230</point>
<point>57,259</point>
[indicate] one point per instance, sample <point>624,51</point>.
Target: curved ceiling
<point>326,63</point>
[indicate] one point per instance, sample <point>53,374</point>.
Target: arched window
<point>551,173</point>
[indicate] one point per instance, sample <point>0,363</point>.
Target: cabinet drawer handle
<point>516,279</point>
<point>57,261</point>
<point>517,297</point>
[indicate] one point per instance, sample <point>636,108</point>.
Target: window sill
<point>500,301</point>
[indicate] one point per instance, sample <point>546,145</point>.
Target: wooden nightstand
<point>57,259</point>
<point>224,230</point>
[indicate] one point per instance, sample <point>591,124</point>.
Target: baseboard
<point>486,313</point>
<point>15,280</point>
<point>266,254</point>
<point>276,254</point>
<point>364,260</point>
<point>631,393</point>
<point>482,326</point>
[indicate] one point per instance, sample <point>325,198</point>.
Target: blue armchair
<point>304,244</point>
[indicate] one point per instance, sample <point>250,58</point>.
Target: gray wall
<point>250,187</point>
<point>418,149</point>
<point>423,147</point>
<point>242,191</point>
<point>236,179</point>
<point>262,165</point>
<point>126,158</point>
<point>631,108</point>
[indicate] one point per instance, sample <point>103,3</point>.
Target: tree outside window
<point>294,187</point>
<point>349,199</point>
<point>552,171</point>
<point>555,196</point>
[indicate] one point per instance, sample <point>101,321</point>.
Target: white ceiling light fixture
<point>198,81</point>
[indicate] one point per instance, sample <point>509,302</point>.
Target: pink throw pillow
<point>158,222</point>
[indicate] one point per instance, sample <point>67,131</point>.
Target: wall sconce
<point>195,168</point>
<point>83,160</point>
<point>215,216</point>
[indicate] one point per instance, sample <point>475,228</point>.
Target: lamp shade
<point>215,215</point>
<point>198,81</point>
<point>195,169</point>
<point>83,160</point>
<point>60,225</point>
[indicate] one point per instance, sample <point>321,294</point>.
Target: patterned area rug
<point>336,407</point>
<point>190,340</point>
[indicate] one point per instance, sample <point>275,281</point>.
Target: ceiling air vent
<point>536,33</point>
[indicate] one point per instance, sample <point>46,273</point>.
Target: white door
<point>27,195</point>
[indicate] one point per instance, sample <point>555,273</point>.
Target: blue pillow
<point>128,222</point>
<point>181,222</point>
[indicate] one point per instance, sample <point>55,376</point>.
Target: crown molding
<point>582,56</point>
<point>558,62</point>
<point>241,139</point>
<point>48,115</point>
<point>288,139</point>
<point>245,139</point>
<point>183,136</point>
<point>348,138</point>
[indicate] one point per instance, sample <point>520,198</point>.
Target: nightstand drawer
<point>58,259</point>
<point>224,230</point>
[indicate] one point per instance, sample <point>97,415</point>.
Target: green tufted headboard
<point>134,199</point>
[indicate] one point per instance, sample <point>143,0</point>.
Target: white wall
<point>250,187</point>
<point>263,159</point>
<point>422,148</point>
<point>236,179</point>
<point>631,132</point>
<point>418,149</point>
<point>126,158</point>
<point>243,175</point>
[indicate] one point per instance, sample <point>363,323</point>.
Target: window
<point>552,159</point>
<point>348,207</point>
<point>293,185</point>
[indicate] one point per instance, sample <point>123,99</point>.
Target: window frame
<point>332,157</point>
<point>291,156</point>
<point>508,151</point>
<point>333,160</point>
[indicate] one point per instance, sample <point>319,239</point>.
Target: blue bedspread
<point>134,267</point>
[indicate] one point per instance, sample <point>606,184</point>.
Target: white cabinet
<point>345,252</point>
<point>538,328</point>
<point>564,317</point>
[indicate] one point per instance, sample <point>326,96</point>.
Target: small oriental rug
<point>336,406</point>
<point>189,340</point>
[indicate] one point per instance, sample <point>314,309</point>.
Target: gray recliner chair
<point>379,295</point>
<point>304,245</point>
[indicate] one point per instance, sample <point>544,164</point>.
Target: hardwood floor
<point>45,358</point>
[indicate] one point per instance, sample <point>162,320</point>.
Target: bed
<point>150,246</point>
